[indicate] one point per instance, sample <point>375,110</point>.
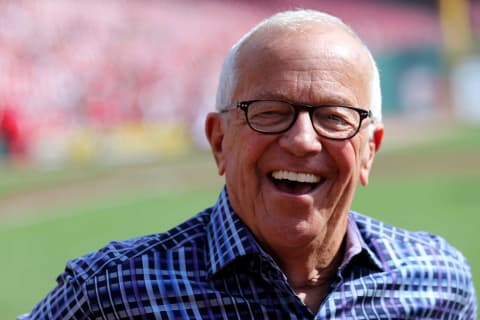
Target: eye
<point>336,118</point>
<point>268,112</point>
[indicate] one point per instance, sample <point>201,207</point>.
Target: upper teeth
<point>295,176</point>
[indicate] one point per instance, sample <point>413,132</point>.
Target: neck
<point>315,268</point>
<point>311,269</point>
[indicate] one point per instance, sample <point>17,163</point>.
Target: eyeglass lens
<point>277,116</point>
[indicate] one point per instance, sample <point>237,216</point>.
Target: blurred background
<point>129,81</point>
<point>102,106</point>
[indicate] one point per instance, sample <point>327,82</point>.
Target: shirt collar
<point>228,238</point>
<point>355,245</point>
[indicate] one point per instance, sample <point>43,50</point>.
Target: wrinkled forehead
<point>308,48</point>
<point>303,41</point>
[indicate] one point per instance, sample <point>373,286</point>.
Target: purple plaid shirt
<point>211,267</point>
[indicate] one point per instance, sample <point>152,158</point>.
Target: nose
<point>301,139</point>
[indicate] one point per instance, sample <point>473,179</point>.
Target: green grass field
<point>48,217</point>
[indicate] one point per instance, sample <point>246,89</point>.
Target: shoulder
<point>397,247</point>
<point>423,263</point>
<point>118,254</point>
<point>106,279</point>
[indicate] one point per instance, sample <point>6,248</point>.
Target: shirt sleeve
<point>462,272</point>
<point>471,308</point>
<point>66,301</point>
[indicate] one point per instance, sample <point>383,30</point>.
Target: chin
<point>296,237</point>
<point>294,225</point>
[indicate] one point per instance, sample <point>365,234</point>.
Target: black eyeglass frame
<point>243,105</point>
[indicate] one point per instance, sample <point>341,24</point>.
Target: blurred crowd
<point>66,65</point>
<point>79,70</point>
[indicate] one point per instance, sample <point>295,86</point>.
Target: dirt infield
<point>111,183</point>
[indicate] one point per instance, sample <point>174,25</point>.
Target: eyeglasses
<point>329,121</point>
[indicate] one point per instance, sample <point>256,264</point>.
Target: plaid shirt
<point>211,267</point>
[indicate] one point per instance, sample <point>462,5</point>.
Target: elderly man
<point>297,126</point>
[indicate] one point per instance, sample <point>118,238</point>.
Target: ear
<point>371,148</point>
<point>215,132</point>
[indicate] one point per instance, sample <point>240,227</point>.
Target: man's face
<point>322,66</point>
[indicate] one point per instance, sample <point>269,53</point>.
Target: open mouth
<point>295,183</point>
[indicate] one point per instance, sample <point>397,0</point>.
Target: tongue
<point>293,187</point>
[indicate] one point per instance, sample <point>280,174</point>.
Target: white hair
<point>294,20</point>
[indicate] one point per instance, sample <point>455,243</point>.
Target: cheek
<point>345,180</point>
<point>244,151</point>
<point>346,157</point>
<point>243,176</point>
